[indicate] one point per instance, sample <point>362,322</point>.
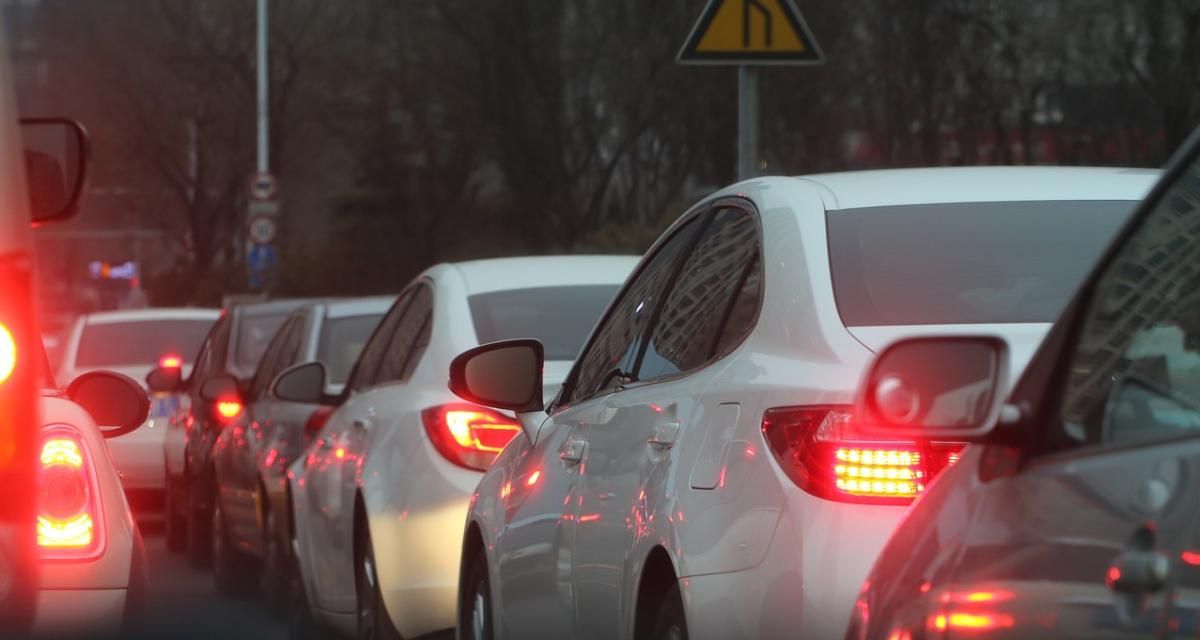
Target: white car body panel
<point>415,500</point>
<point>756,556</point>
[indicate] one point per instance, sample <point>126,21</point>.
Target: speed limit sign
<point>262,229</point>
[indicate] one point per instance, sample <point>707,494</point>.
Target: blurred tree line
<point>407,132</point>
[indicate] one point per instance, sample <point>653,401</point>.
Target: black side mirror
<point>165,379</point>
<point>304,383</point>
<point>935,388</point>
<point>505,375</point>
<point>116,402</point>
<point>56,160</point>
<point>220,388</point>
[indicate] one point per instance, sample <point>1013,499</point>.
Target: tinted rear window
<point>139,343</point>
<point>341,341</point>
<point>963,263</point>
<point>254,334</point>
<point>561,317</point>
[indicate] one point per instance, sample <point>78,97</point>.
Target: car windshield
<point>254,334</point>
<point>341,341</point>
<point>141,342</point>
<point>965,263</point>
<point>560,317</point>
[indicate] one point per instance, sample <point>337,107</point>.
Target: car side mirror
<point>304,383</point>
<point>116,402</point>
<point>220,388</point>
<point>505,375</point>
<point>56,157</point>
<point>165,379</point>
<point>935,388</point>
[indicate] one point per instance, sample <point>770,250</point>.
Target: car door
<point>321,494</point>
<point>629,452</point>
<point>536,585</point>
<point>1094,533</point>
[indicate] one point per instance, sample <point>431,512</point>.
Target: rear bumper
<point>79,612</point>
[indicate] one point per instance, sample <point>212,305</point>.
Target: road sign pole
<point>747,143</point>
<point>263,112</point>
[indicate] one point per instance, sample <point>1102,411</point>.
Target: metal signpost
<point>748,33</point>
<point>262,214</point>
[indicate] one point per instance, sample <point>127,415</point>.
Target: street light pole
<point>263,115</point>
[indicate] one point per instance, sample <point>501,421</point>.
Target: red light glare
<point>340,453</point>
<point>8,353</point>
<point>589,517</point>
<point>1113,575</point>
<point>170,361</point>
<point>533,478</point>
<point>228,408</point>
<point>961,621</point>
<point>974,597</point>
<point>1191,557</point>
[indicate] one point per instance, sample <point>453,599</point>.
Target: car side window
<point>694,317</point>
<point>1135,371</point>
<point>406,344</point>
<point>612,352</point>
<point>209,361</point>
<point>373,351</point>
<point>271,361</point>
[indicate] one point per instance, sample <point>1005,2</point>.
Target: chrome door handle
<point>663,436</point>
<point>573,452</point>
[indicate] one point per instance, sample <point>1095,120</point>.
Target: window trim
<point>403,298</point>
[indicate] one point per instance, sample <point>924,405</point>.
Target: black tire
<point>234,573</point>
<point>199,532</point>
<point>276,562</point>
<point>302,625</point>
<point>373,621</point>
<point>669,621</point>
<point>174,518</point>
<point>476,598</point>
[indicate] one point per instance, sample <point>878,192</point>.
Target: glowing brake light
<point>468,435</point>
<point>67,506</point>
<point>228,409</point>
<point>170,361</point>
<point>819,449</point>
<point>8,353</point>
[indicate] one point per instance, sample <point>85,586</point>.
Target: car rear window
<point>254,334</point>
<point>341,341</point>
<point>966,263</point>
<point>560,317</point>
<point>140,342</point>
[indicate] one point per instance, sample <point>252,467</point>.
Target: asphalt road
<point>183,603</point>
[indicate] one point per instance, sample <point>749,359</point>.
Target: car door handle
<point>361,424</point>
<point>663,436</point>
<point>573,452</point>
<point>1138,571</point>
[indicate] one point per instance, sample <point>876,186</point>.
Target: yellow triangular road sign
<point>751,32</point>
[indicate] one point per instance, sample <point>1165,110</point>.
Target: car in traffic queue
<point>378,500</point>
<point>233,347</point>
<point>93,572</point>
<point>251,539</point>
<point>133,342</point>
<point>1075,513</point>
<point>700,472</point>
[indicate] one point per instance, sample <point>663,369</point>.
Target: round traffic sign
<point>263,186</point>
<point>262,229</point>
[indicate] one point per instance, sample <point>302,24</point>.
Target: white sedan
<point>379,499</point>
<point>700,473</point>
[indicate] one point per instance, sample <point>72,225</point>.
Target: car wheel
<point>373,620</point>
<point>301,623</point>
<point>670,624</point>
<point>199,532</point>
<point>233,572</point>
<point>174,522</point>
<point>274,583</point>
<point>476,621</point>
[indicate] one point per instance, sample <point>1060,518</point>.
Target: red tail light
<point>68,517</point>
<point>821,452</point>
<point>170,361</point>
<point>468,435</point>
<point>228,409</point>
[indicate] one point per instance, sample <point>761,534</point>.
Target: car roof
<point>891,187</point>
<point>373,305</point>
<point>501,274</point>
<point>272,307</point>
<point>146,315</point>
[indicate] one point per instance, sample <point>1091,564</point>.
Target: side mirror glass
<point>303,383</point>
<point>116,402</point>
<point>505,375</point>
<point>949,387</point>
<point>164,379</point>
<point>220,388</point>
<point>56,157</point>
